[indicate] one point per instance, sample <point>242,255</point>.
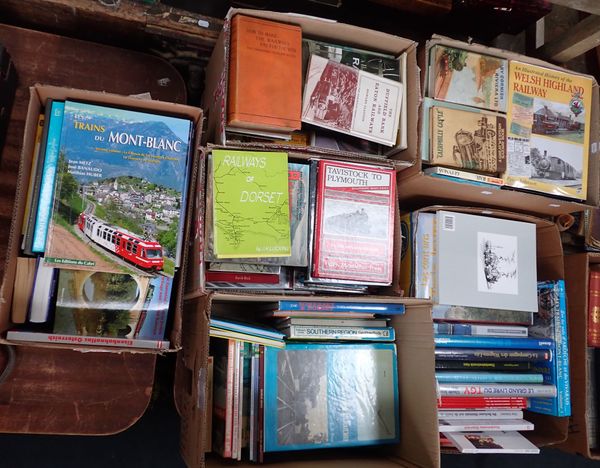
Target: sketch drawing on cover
<point>473,148</point>
<point>497,259</point>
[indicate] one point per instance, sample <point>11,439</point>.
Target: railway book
<point>476,366</point>
<point>491,442</point>
<point>462,314</point>
<point>339,306</point>
<point>329,332</point>
<point>548,121</point>
<point>354,223</point>
<point>480,414</point>
<point>465,176</point>
<point>482,402</point>
<point>330,395</point>
<point>513,331</point>
<point>493,355</point>
<point>337,322</point>
<point>119,203</point>
<point>480,425</point>
<point>82,340</point>
<point>497,389</point>
<point>492,342</point>
<point>488,377</point>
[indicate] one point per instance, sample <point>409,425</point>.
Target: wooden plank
<point>589,6</point>
<point>582,37</point>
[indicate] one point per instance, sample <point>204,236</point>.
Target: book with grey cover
<point>486,262</point>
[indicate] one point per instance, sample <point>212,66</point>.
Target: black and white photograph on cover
<point>497,259</point>
<point>556,162</point>
<point>559,121</point>
<point>355,219</point>
<point>302,397</point>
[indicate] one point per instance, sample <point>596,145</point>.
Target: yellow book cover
<point>548,130</point>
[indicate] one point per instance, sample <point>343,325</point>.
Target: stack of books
<point>496,122</point>
<point>103,228</point>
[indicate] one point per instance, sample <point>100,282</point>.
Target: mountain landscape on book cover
<point>120,197</point>
<point>548,121</point>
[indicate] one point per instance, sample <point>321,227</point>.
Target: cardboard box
<point>215,93</point>
<point>38,96</point>
<point>577,267</point>
<point>438,190</point>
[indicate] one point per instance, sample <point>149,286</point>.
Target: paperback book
<point>341,306</point>
<point>480,330</point>
<point>492,355</point>
<point>328,332</point>
<point>491,442</point>
<point>493,389</point>
<point>481,425</point>
<point>465,177</point>
<point>83,340</point>
<point>487,377</point>
<point>462,314</point>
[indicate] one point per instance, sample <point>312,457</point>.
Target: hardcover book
<point>448,313</point>
<point>478,425</point>
<point>493,389</point>
<point>482,403</point>
<point>487,377</point>
<point>593,318</point>
<point>495,366</point>
<point>250,206</point>
<point>333,332</point>
<point>330,395</point>
<point>468,139</point>
<point>119,203</point>
<point>491,442</point>
<point>354,223</point>
<point>548,122</point>
<point>81,340</point>
<point>340,306</point>
<point>342,98</point>
<point>492,342</point>
<point>23,288</point>
<point>465,177</point>
<point>264,101</point>
<point>43,294</point>
<point>493,355</point>
<point>480,330</point>
<point>468,78</point>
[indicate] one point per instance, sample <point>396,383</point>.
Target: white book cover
<point>496,259</point>
<point>472,425</point>
<point>491,442</point>
<point>497,390</point>
<point>42,293</point>
<point>480,414</point>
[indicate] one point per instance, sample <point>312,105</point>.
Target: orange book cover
<point>265,77</point>
<point>594,309</point>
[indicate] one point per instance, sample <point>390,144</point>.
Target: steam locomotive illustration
<point>551,167</point>
<point>468,149</point>
<point>126,245</point>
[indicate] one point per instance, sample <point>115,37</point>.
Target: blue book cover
<point>245,327</point>
<point>551,322</point>
<point>330,395</point>
<point>490,342</point>
<point>487,377</point>
<point>466,181</point>
<point>48,177</point>
<point>373,307</point>
<point>120,190</point>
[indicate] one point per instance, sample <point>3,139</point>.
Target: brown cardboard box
<point>215,93</point>
<point>577,267</point>
<point>438,190</point>
<point>38,96</point>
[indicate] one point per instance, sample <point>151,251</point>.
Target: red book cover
<point>240,277</point>
<point>482,402</point>
<point>354,223</point>
<point>594,309</point>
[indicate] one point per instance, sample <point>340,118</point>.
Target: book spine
<point>594,310</point>
<point>48,178</point>
<point>483,366</point>
<point>493,355</point>
<point>457,341</point>
<point>479,330</point>
<point>479,426</point>
<point>468,390</point>
<point>342,307</point>
<point>488,377</point>
<point>235,426</point>
<point>17,335</point>
<point>424,255</point>
<point>467,403</point>
<point>32,176</point>
<point>229,399</point>
<point>261,404</point>
<point>516,414</point>
<point>308,332</point>
<point>465,175</point>
<point>231,277</point>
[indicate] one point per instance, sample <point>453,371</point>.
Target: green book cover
<point>251,215</point>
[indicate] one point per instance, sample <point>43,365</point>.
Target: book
<point>498,258</point>
<point>329,332</point>
<point>119,203</point>
<point>354,223</point>
<point>223,375</point>
<point>468,139</point>
<point>269,101</point>
<point>482,403</point>
<point>384,308</point>
<point>467,77</point>
<point>491,442</point>
<point>25,274</point>
<point>209,401</point>
<point>593,318</point>
<point>479,425</point>
<point>480,330</point>
<point>233,277</point>
<point>96,303</point>
<point>245,337</point>
<point>341,98</point>
<point>462,314</point>
<point>493,355</point>
<point>306,408</point>
<point>242,284</point>
<point>548,138</point>
<point>48,176</point>
<point>246,327</point>
<point>287,321</point>
<point>418,268</point>
<point>81,340</point>
<point>551,322</point>
<point>250,210</point>
<point>474,366</point>
<point>500,389</point>
<point>480,414</point>
<point>464,176</point>
<point>318,314</point>
<point>592,383</point>
<point>42,296</point>
<point>492,342</point>
<point>244,267</point>
<point>487,377</point>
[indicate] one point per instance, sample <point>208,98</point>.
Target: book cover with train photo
<point>548,130</point>
<point>120,193</point>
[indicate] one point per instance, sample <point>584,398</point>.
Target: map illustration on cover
<point>120,196</point>
<point>330,395</point>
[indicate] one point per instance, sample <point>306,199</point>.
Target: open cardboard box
<point>577,267</point>
<point>38,96</point>
<point>439,190</point>
<point>215,94</point>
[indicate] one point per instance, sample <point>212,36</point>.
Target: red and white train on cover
<point>142,253</point>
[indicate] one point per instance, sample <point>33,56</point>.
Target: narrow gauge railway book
<point>307,408</point>
<point>492,342</point>
<point>493,355</point>
<point>476,366</point>
<point>287,321</point>
<point>491,442</point>
<point>120,197</point>
<point>549,117</point>
<point>354,223</point>
<point>480,425</point>
<point>482,403</point>
<point>480,414</point>
<point>468,139</point>
<point>480,330</point>
<point>469,78</point>
<point>94,303</point>
<point>325,332</point>
<point>82,340</point>
<point>340,306</point>
<point>492,389</point>
<point>487,377</point>
<point>456,175</point>
<point>462,314</point>
<point>341,98</point>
